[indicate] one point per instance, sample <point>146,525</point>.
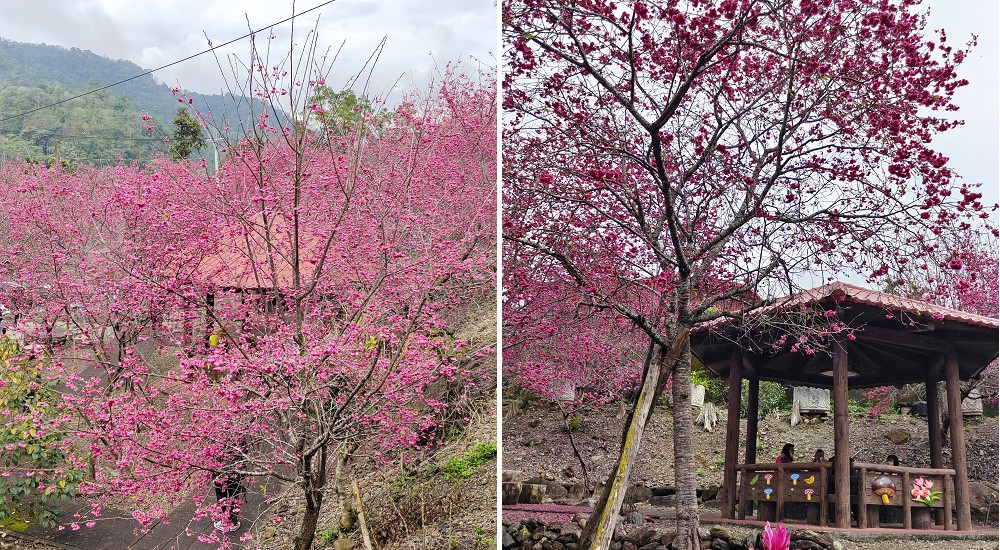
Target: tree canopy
<point>680,161</point>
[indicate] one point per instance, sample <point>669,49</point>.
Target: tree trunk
<point>340,485</point>
<point>307,531</point>
<point>601,526</point>
<point>313,471</point>
<point>684,467</point>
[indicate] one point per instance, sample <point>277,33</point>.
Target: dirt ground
<point>535,442</point>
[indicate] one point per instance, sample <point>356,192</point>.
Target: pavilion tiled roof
<point>838,292</point>
<point>244,259</point>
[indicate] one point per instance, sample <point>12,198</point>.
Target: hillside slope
<point>37,64</point>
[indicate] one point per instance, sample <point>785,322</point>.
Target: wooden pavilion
<point>883,340</point>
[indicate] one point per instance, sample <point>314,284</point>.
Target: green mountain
<point>100,129</point>
<point>97,127</point>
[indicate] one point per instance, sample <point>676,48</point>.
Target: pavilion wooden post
<point>934,430</point>
<point>956,431</point>
<point>753,409</point>
<point>841,442</point>
<point>209,322</point>
<point>934,422</point>
<point>732,434</point>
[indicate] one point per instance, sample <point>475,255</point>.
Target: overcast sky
<point>974,149</point>
<point>155,33</point>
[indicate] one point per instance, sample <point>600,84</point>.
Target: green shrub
<point>36,473</point>
<point>326,536</point>
<point>716,389</point>
<point>573,422</point>
<point>462,465</point>
<point>772,396</point>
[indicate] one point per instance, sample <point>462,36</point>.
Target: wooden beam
<point>956,432</point>
<point>732,434</point>
<point>935,438</point>
<point>858,355</point>
<point>938,368</point>
<point>750,453</point>
<point>841,439</point>
<point>934,423</point>
<point>902,338</point>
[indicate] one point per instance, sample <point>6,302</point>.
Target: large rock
<point>664,501</point>
<point>638,493</point>
<point>720,533</point>
<point>642,536</point>
<point>633,518</point>
<point>511,492</point>
<point>578,491</point>
<point>983,500</point>
<point>897,436</point>
<point>512,475</point>
<point>532,493</point>
<point>555,490</point>
<point>804,539</point>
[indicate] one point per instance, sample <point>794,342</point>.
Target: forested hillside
<point>95,128</point>
<point>99,129</point>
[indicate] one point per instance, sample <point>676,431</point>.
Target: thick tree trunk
<point>307,530</point>
<point>313,471</point>
<point>601,526</point>
<point>684,467</point>
<point>348,514</point>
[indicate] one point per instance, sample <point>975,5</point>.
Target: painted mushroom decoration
<point>884,487</point>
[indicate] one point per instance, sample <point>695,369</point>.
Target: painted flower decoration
<point>922,492</point>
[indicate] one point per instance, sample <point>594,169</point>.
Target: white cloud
<point>152,34</point>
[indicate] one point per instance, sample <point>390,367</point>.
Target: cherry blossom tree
<point>273,320</point>
<point>675,159</point>
<point>567,353</point>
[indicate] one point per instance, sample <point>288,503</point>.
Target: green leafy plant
<point>482,542</point>
<point>716,389</point>
<point>573,422</point>
<point>771,397</point>
<point>36,474</point>
<point>326,536</point>
<point>462,465</point>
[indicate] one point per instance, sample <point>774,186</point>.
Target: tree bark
<point>307,531</point>
<point>684,467</point>
<point>600,528</point>
<point>313,471</point>
<point>343,492</point>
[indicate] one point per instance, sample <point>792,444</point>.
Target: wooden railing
<point>773,485</point>
<point>916,515</point>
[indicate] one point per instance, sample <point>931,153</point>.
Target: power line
<point>72,137</point>
<point>213,48</point>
